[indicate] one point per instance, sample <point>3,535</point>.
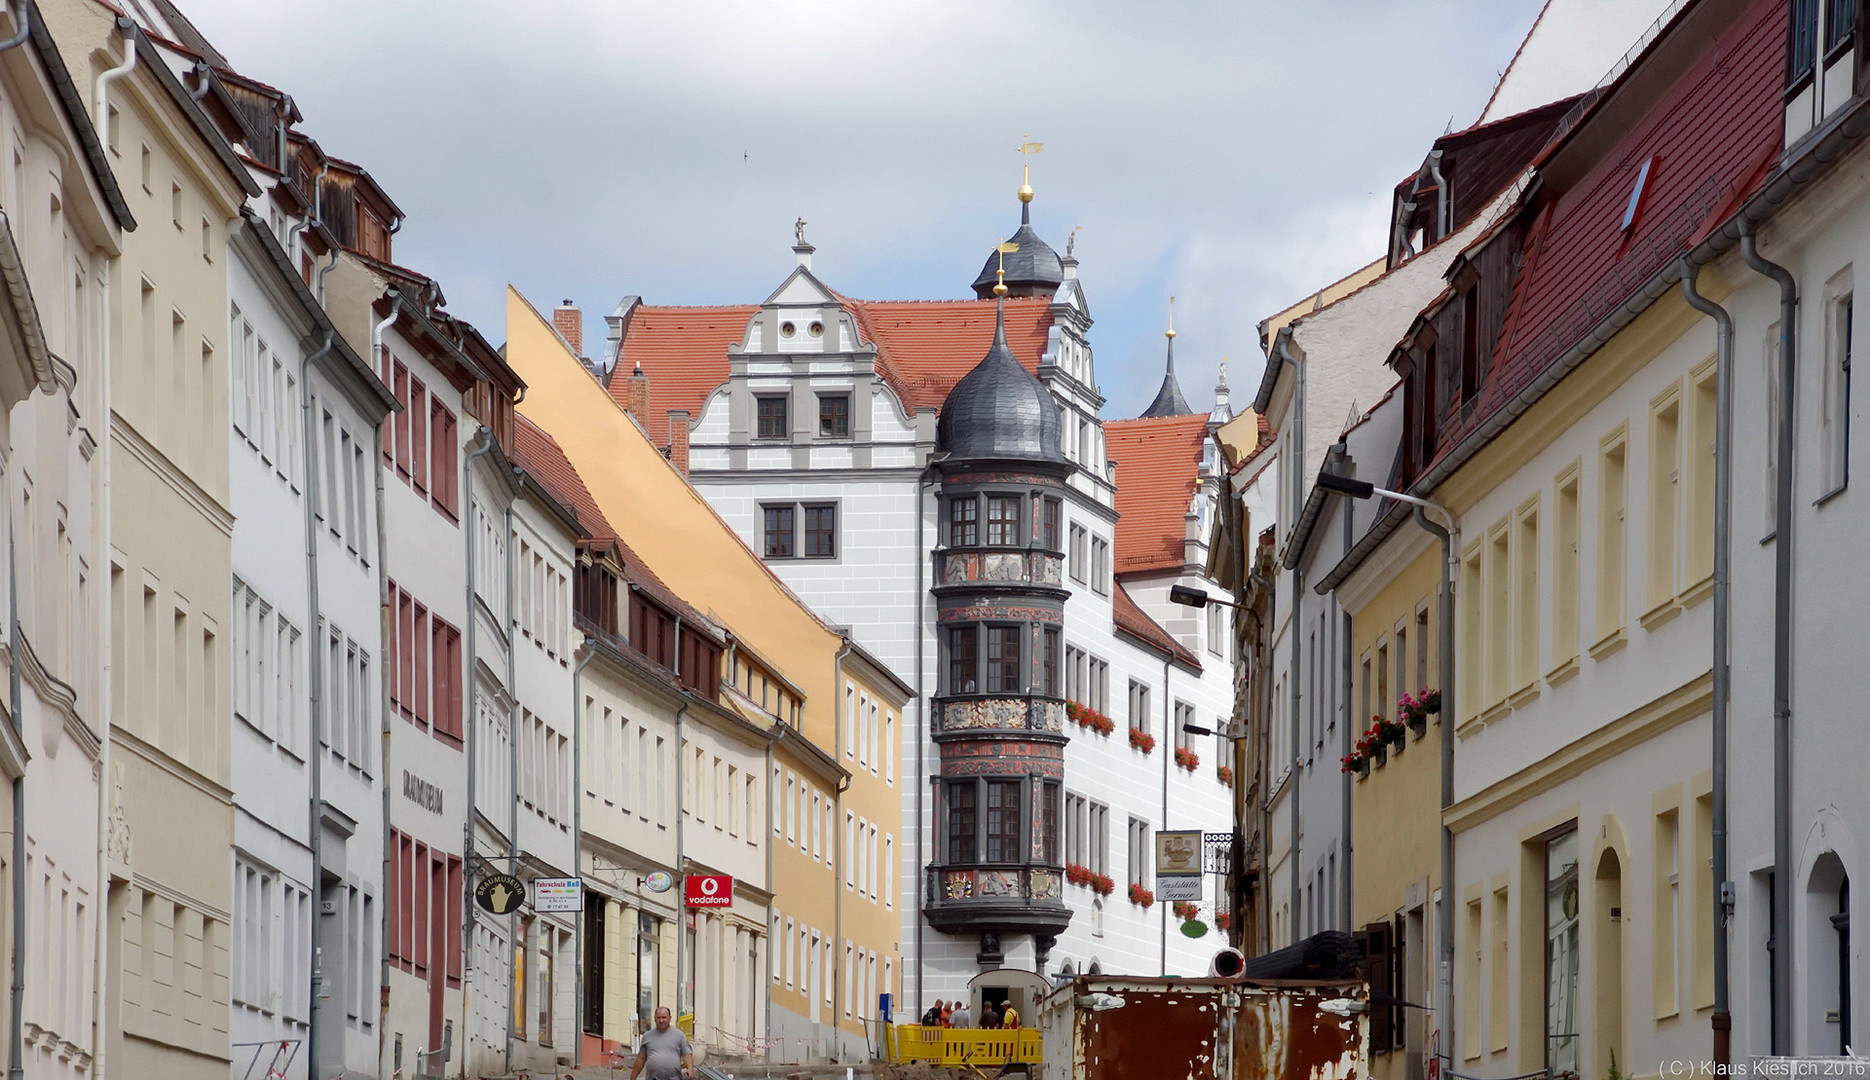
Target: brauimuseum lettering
<point>421,792</point>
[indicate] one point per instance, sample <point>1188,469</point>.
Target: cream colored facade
<point>1582,813</point>
<point>63,233</point>
<point>169,553</point>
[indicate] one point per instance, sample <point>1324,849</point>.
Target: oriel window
<point>961,809</point>
<point>1003,520</point>
<point>834,416</point>
<point>1003,659</point>
<point>1048,823</point>
<point>773,423</point>
<point>821,532</point>
<point>779,536</point>
<point>963,521</point>
<point>1003,814</point>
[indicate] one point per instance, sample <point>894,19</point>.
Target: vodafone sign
<point>708,890</point>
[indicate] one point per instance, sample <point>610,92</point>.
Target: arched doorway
<point>1607,963</point>
<point>1001,986</point>
<point>1827,967</point>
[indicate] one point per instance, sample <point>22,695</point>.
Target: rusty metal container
<point>1115,1028</point>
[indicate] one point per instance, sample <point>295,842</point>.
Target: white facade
<point>306,683</point>
<point>1819,237</point>
<point>872,585</point>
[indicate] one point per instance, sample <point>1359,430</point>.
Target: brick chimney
<point>678,440</point>
<point>636,402</point>
<point>569,322</point>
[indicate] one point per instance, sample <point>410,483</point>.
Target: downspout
<point>1441,195</point>
<point>1781,941</point>
<point>1346,917</point>
<point>1168,752</point>
<point>1282,345</point>
<point>766,841</point>
<point>1723,535</point>
<point>837,812</point>
<point>681,857</point>
<point>16,1046</point>
<point>483,442</point>
<point>1264,734</point>
<point>386,630</point>
<point>921,779</point>
<point>100,974</point>
<point>577,842</point>
<point>511,625</point>
<point>1444,914</point>
<point>315,828</point>
<point>202,74</point>
<point>322,271</point>
<point>317,182</point>
<point>22,21</point>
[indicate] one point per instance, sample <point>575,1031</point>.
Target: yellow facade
<point>1396,809</point>
<point>674,530</point>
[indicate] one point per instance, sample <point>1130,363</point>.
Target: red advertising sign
<point>708,890</point>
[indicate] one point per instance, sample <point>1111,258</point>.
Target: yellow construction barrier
<point>962,1047</point>
<point>686,1022</point>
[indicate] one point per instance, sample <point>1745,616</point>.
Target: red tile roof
<point>1158,460</point>
<point>1131,620</point>
<point>1705,135</point>
<point>923,348</point>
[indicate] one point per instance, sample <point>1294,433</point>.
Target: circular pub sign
<point>660,881</point>
<point>500,894</point>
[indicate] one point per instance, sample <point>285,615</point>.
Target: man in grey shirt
<point>959,1018</point>
<point>664,1049</point>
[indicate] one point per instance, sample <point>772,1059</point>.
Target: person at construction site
<point>1009,1018</point>
<point>933,1017</point>
<point>989,1016</point>
<point>958,1016</point>
<point>664,1050</point>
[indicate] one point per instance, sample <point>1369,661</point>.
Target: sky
<point>1236,155</point>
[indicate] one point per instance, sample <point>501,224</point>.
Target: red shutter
<point>395,647</point>
<point>389,426</point>
<point>419,868</point>
<point>419,644</point>
<point>399,895</point>
<point>453,909</point>
<point>406,633</point>
<point>402,422</point>
<point>419,443</point>
<point>442,449</point>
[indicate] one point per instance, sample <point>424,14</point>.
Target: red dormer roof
<point>537,452</point>
<point>923,348</point>
<point>1158,463</point>
<point>1703,136</point>
<point>1132,620</point>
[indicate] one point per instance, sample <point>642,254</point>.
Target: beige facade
<point>167,539</point>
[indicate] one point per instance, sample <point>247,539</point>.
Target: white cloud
<point>1234,154</point>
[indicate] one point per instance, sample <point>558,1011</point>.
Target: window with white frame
<point>1139,706</point>
<point>1100,566</point>
<point>1139,852</point>
<point>1217,629</point>
<point>267,669</point>
<point>1836,421</point>
<point>1078,555</point>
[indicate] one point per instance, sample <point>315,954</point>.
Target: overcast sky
<point>1234,154</point>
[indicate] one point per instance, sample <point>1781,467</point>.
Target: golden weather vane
<point>1171,333</point>
<point>1003,248</point>
<point>1027,148</point>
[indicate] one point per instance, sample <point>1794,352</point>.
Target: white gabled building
<point>810,423</point>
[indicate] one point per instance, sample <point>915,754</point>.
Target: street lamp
<point>1195,598</point>
<point>1443,530</point>
<point>1197,729</point>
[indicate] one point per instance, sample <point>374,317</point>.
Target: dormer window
<point>1636,196</point>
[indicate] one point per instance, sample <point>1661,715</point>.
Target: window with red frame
<point>425,687</point>
<point>421,443</point>
<point>425,908</point>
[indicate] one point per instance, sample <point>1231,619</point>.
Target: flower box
<point>1356,763</point>
<point>1225,775</point>
<point>1187,759</point>
<point>1141,897</point>
<point>1086,717</point>
<point>1102,885</point>
<point>1078,874</point>
<point>1221,920</point>
<point>1142,740</point>
<point>1185,910</point>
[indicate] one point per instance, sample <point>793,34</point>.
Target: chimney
<point>678,440</point>
<point>637,401</point>
<point>569,322</point>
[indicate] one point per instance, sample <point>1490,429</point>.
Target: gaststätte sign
<point>708,890</point>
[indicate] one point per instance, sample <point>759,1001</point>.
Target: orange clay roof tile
<point>1158,461</point>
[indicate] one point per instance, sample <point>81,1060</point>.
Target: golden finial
<point>1027,149</point>
<point>1171,333</point>
<point>1004,248</point>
